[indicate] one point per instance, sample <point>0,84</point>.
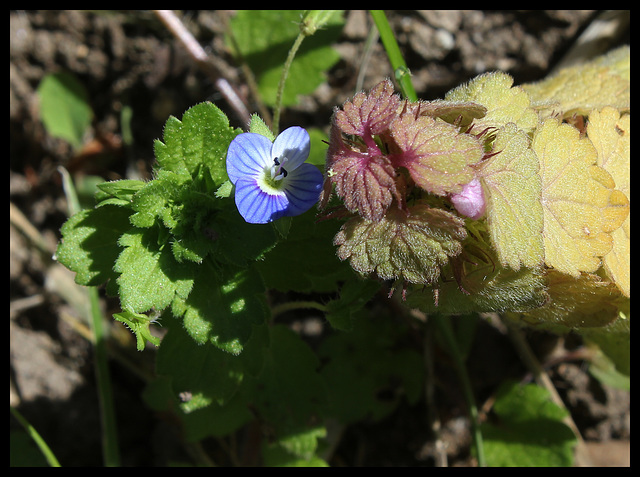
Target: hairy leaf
<point>201,138</point>
<point>610,134</point>
<point>583,302</point>
<point>504,103</point>
<point>222,309</point>
<point>409,246</point>
<point>89,243</point>
<point>582,88</point>
<point>364,179</point>
<point>581,208</point>
<point>149,275</point>
<point>369,114</point>
<point>437,156</point>
<point>513,194</point>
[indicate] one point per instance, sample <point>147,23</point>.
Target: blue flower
<point>271,179</point>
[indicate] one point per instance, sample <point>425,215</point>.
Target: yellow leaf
<point>610,133</point>
<point>582,88</point>
<point>513,192</point>
<point>504,103</point>
<point>583,302</point>
<point>581,207</point>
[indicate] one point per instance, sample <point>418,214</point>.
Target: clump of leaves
<point>488,190</point>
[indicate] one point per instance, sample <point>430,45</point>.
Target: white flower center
<point>278,172</point>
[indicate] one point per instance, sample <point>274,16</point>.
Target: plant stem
<point>444,326</point>
<point>401,72</point>
<point>295,305</point>
<point>111,454</point>
<point>42,445</point>
<point>283,79</point>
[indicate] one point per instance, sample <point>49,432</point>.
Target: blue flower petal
<point>294,144</point>
<point>302,188</point>
<point>248,155</point>
<point>257,206</point>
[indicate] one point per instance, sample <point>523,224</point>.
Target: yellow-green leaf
<point>610,133</point>
<point>582,88</point>
<point>583,302</point>
<point>581,207</point>
<point>513,192</point>
<point>410,246</point>
<point>504,103</point>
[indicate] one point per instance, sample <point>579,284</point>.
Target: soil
<point>128,59</point>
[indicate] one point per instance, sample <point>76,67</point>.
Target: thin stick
<point>200,57</point>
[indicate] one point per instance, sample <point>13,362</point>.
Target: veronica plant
<point>271,179</point>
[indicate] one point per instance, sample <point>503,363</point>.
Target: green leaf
<point>149,275</point>
<point>408,246</point>
<point>505,103</point>
<point>117,192</point>
<point>258,126</point>
<point>201,138</point>
<point>139,325</point>
<point>89,245</point>
<point>513,192</point>
<point>222,310</point>
<point>354,295</point>
<point>64,107</point>
<point>264,38</point>
<point>371,361</point>
<point>487,288</point>
<point>308,244</point>
<point>289,393</point>
<point>529,431</point>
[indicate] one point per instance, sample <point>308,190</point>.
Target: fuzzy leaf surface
<point>582,88</point>
<point>437,156</point>
<point>411,247</point>
<point>504,102</point>
<point>581,207</point>
<point>513,194</point>
<point>610,134</point>
<point>89,243</point>
<point>149,275</point>
<point>222,309</point>
<point>201,138</point>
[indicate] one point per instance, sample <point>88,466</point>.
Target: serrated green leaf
<point>201,138</point>
<point>363,363</point>
<point>513,190</point>
<point>149,275</point>
<point>408,246</point>
<point>354,295</point>
<point>139,325</point>
<point>295,382</point>
<point>264,38</point>
<point>320,271</point>
<point>505,103</point>
<point>222,310</point>
<point>122,190</point>
<point>529,431</point>
<point>64,107</point>
<point>89,245</point>
<point>204,371</point>
<point>258,126</point>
